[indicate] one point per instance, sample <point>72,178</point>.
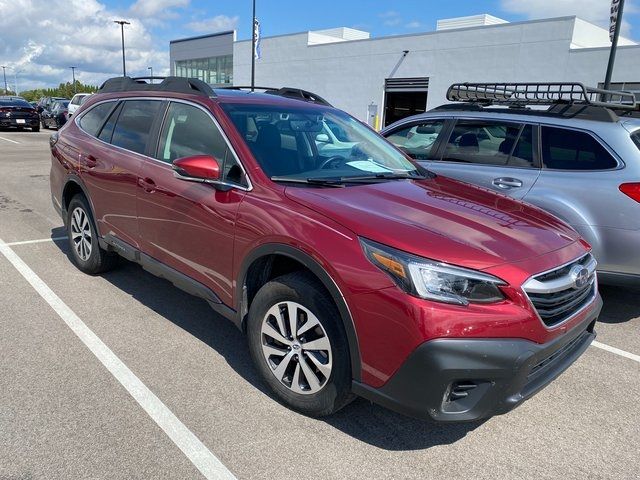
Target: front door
<point>493,154</point>
<point>186,225</point>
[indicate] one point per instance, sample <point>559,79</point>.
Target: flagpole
<point>253,48</point>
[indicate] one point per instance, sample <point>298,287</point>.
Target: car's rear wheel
<point>298,344</point>
<point>44,124</point>
<point>35,129</point>
<point>86,252</point>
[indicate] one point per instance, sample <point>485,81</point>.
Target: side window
<point>188,131</point>
<point>418,141</point>
<point>564,149</point>
<point>636,138</point>
<point>134,124</point>
<point>107,130</point>
<point>91,121</point>
<point>488,142</point>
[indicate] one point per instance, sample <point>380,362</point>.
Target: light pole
<point>151,69</point>
<point>614,41</point>
<point>15,78</point>
<point>122,23</point>
<point>4,74</point>
<point>73,73</point>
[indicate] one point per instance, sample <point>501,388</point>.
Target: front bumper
<point>454,380</point>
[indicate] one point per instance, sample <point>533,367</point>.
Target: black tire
<point>35,129</point>
<point>44,125</point>
<point>99,260</point>
<point>304,289</point>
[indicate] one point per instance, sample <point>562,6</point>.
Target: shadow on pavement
<point>361,419</point>
<point>620,304</point>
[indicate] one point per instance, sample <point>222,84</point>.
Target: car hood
<point>441,219</point>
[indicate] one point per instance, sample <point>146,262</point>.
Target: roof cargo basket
<point>520,95</point>
<point>289,92</point>
<point>168,84</point>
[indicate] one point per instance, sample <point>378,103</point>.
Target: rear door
<point>186,225</point>
<point>111,166</point>
<point>494,154</point>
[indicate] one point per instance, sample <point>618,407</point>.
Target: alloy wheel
<point>81,233</point>
<point>296,347</point>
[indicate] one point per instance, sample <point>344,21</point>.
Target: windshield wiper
<point>341,181</point>
<point>328,182</point>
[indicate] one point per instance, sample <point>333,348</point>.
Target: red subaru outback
<point>351,269</point>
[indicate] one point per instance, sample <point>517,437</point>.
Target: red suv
<point>352,270</point>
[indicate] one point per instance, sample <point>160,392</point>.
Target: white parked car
<point>77,100</point>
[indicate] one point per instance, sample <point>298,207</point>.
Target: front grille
<point>560,293</point>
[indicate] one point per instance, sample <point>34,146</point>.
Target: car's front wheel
<point>298,344</point>
<point>86,252</point>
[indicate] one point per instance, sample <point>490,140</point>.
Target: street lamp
<point>4,74</point>
<point>151,70</point>
<point>73,73</point>
<point>15,77</point>
<point>122,23</point>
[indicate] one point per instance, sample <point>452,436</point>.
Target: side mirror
<point>322,138</point>
<point>197,168</point>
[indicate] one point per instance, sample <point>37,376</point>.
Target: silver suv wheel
<point>81,233</point>
<point>296,347</point>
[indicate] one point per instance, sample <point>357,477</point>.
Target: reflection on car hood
<point>441,219</point>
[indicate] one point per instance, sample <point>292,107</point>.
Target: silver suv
<point>579,158</point>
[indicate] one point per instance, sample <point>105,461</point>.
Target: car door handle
<point>90,161</point>
<point>506,183</point>
<point>147,184</point>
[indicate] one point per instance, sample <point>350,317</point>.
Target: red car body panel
<point>207,234</point>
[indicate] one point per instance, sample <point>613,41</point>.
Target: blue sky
<point>41,39</point>
<point>376,16</point>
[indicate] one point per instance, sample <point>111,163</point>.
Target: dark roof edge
<point>199,37</point>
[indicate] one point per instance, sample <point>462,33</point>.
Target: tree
<point>65,90</point>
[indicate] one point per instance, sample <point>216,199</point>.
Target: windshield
<point>314,144</point>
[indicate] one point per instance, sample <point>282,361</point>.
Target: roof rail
<point>289,92</point>
<point>192,86</point>
<point>523,94</point>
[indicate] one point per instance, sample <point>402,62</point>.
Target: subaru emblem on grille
<point>580,276</point>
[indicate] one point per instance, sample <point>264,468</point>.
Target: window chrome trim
<point>247,188</point>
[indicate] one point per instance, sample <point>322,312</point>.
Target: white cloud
<point>413,25</point>
<point>218,23</point>
<point>596,11</point>
<point>390,18</point>
<point>155,8</point>
<point>41,40</point>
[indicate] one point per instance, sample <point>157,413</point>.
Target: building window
<point>212,70</point>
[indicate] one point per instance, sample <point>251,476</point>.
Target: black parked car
<point>17,112</point>
<point>57,116</point>
<point>46,103</point>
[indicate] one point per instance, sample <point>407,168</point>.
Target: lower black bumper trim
<point>456,380</point>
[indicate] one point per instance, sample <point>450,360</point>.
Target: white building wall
<point>351,74</point>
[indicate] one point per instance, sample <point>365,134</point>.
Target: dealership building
<point>382,79</point>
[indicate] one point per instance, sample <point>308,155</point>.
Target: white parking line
<point>203,459</point>
<point>9,140</point>
<point>617,351</point>
<point>42,240</point>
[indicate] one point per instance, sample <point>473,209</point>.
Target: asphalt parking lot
<point>196,404</point>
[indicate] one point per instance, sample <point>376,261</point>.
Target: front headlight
<point>433,280</point>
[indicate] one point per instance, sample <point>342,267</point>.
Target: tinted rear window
<point>564,149</point>
<point>134,124</point>
<point>91,121</point>
<point>14,103</point>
